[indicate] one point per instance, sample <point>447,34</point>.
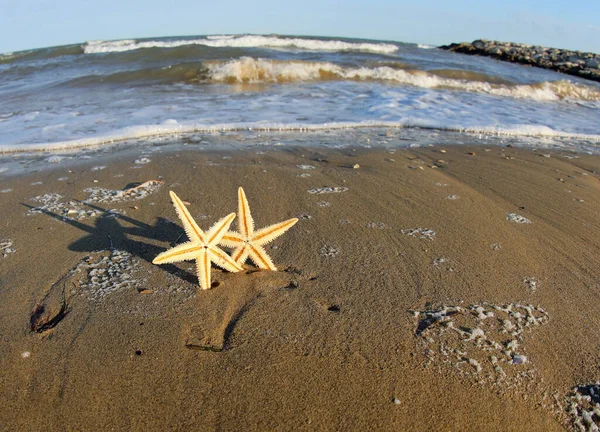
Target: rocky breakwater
<point>581,64</point>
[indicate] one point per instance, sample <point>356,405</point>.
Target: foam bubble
<point>51,203</point>
<point>584,407</point>
<point>516,218</point>
<point>327,190</point>
<point>422,233</point>
<point>478,347</point>
<point>102,195</point>
<point>6,248</point>
<point>104,273</point>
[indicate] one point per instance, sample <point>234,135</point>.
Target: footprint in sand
<point>220,309</point>
<point>54,307</point>
<point>95,277</point>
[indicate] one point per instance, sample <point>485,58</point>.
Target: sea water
<point>101,92</point>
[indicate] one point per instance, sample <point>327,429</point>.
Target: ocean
<point>148,90</point>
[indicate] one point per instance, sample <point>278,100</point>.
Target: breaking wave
<point>245,41</point>
<point>250,70</point>
<point>247,70</point>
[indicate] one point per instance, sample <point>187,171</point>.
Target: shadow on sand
<point>107,233</point>
<point>218,311</point>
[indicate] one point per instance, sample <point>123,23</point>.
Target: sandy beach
<point>434,288</point>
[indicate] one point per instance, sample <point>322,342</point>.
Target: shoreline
<point>28,162</point>
<point>303,132</point>
<point>347,322</point>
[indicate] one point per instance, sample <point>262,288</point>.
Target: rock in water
<point>581,64</point>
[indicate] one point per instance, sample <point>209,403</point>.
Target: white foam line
<point>244,41</point>
<point>138,132</point>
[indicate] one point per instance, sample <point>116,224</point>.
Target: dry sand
<point>401,302</point>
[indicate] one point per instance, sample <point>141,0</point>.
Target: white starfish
<point>202,247</point>
<point>248,243</point>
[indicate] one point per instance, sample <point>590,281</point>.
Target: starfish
<point>249,242</point>
<point>202,247</point>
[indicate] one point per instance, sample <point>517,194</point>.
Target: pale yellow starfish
<point>202,247</point>
<point>248,243</point>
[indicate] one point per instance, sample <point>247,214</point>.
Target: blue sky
<point>28,24</point>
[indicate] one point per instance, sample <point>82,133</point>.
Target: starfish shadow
<point>218,312</point>
<point>108,233</point>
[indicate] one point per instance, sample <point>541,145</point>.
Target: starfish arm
<point>203,268</point>
<point>220,258</point>
<point>183,252</point>
<point>231,239</point>
<point>240,254</point>
<point>218,230</point>
<point>245,221</point>
<point>190,226</point>
<point>270,233</point>
<point>260,257</point>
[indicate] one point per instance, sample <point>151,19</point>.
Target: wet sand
<point>461,297</point>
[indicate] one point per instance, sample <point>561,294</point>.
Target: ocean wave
<point>10,57</point>
<point>41,53</point>
<point>173,129</point>
<point>244,41</point>
<point>7,56</point>
<point>247,70</point>
<point>251,70</point>
<point>185,72</point>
